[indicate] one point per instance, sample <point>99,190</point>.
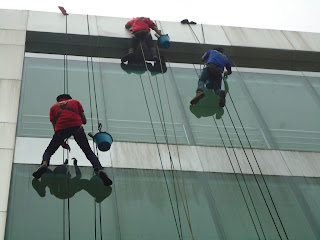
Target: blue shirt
<point>218,59</point>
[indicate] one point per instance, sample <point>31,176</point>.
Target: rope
<point>154,133</point>
<point>264,181</point>
<point>175,136</point>
<point>257,165</point>
<point>166,136</point>
<point>176,141</point>
<point>174,131</point>
<point>251,199</point>
<point>95,149</point>
<point>187,215</point>
<point>235,174</point>
<point>65,90</point>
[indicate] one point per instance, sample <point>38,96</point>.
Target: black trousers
<point>141,35</point>
<point>81,139</point>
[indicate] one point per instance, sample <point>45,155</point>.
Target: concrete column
<point>13,25</point>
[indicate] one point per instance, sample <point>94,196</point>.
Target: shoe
<point>222,98</point>
<point>185,21</point>
<point>41,170</point>
<point>127,57</point>
<point>198,96</point>
<point>192,22</point>
<point>104,177</point>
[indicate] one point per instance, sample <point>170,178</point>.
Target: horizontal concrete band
<point>180,52</point>
<point>246,47</point>
<point>192,158</point>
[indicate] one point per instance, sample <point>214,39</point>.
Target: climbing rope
<point>258,168</point>
<point>263,178</point>
<point>235,174</point>
<point>175,135</point>
<point>95,148</point>
<point>65,90</point>
<point>165,177</point>
<point>167,143</point>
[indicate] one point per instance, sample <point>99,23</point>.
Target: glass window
<point>137,205</point>
<point>288,109</point>
<point>278,109</point>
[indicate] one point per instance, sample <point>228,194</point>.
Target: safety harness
<point>63,106</point>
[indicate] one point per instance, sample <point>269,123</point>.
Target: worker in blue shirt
<point>216,63</point>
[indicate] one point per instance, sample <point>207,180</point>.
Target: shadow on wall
<point>208,106</point>
<point>56,181</point>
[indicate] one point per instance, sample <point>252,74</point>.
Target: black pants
<point>81,139</point>
<point>141,35</point>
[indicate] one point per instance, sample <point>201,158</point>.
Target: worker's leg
<point>216,78</point>
<point>199,94</point>
<point>54,144</point>
<point>152,49</point>
<point>82,141</point>
<point>134,44</point>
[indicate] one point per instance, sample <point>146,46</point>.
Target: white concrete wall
<point>192,158</point>
<point>13,25</point>
<point>215,35</point>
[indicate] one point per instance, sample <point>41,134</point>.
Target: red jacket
<point>140,23</point>
<point>69,117</point>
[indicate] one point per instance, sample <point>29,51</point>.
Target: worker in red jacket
<point>67,117</point>
<point>140,28</point>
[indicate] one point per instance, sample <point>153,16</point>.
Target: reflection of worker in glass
<point>216,62</point>
<point>209,106</point>
<point>140,68</point>
<point>61,185</point>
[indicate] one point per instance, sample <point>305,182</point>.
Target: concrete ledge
<point>192,158</point>
<point>245,47</point>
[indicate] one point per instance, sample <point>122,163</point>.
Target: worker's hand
<point>226,73</point>
<point>65,145</point>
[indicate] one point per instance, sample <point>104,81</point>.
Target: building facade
<point>248,171</point>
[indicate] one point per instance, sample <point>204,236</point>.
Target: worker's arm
<point>129,24</point>
<point>204,57</point>
<point>155,28</point>
<point>227,72</point>
<point>228,68</point>
<point>54,125</point>
<point>83,118</point>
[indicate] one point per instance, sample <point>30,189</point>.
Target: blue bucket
<point>103,141</point>
<point>164,41</point>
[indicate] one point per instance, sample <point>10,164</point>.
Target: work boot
<point>154,54</point>
<point>41,170</point>
<point>128,56</point>
<point>199,95</point>
<point>222,98</point>
<point>104,177</point>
